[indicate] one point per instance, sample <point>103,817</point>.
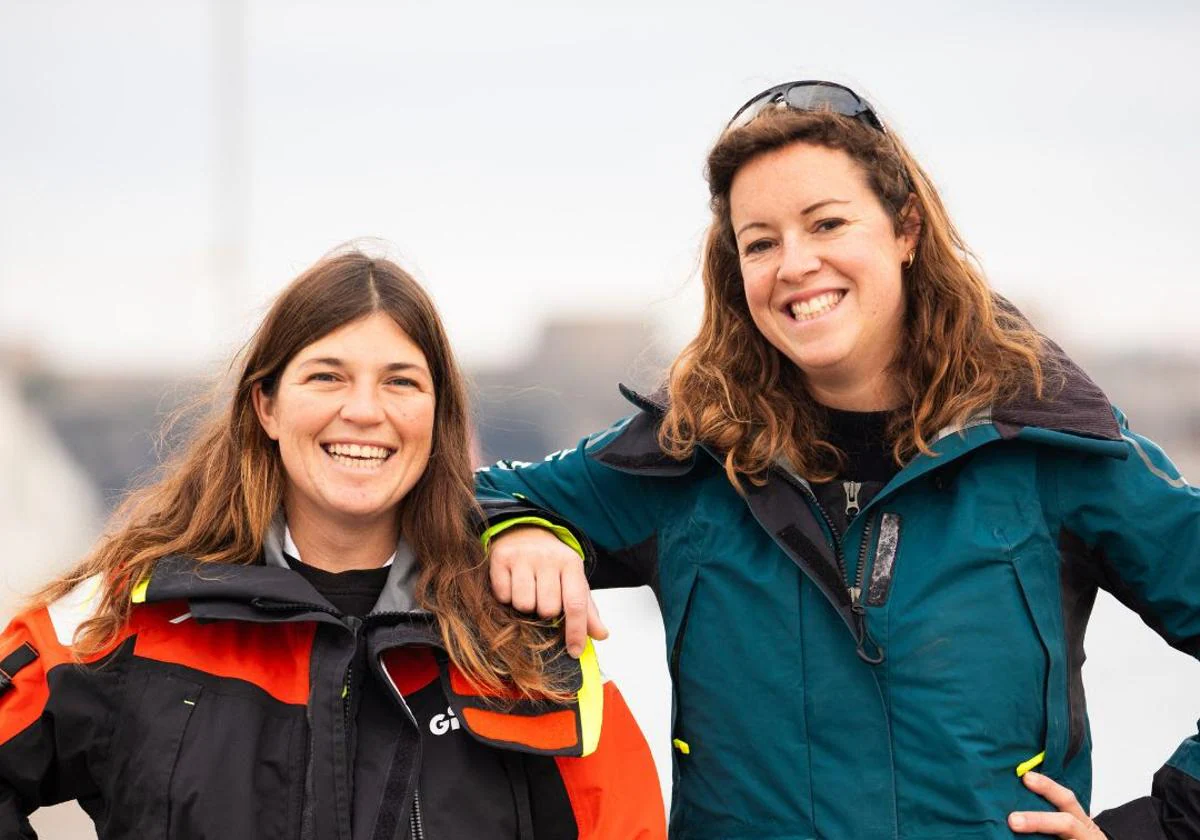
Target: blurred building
<point>49,512</point>
<point>566,388</point>
<point>49,507</point>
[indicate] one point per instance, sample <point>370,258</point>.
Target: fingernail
<point>1016,821</point>
<point>1033,776</point>
<point>574,650</point>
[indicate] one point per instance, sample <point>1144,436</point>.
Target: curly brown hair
<point>963,350</point>
<point>215,499</point>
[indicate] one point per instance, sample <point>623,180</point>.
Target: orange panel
<point>461,686</point>
<point>411,668</point>
<point>273,657</point>
<point>553,731</point>
<point>614,792</point>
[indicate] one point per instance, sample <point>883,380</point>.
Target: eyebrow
<point>333,361</point>
<point>809,209</point>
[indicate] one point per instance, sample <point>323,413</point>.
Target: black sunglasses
<point>808,95</point>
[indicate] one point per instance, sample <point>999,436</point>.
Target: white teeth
<point>354,450</point>
<point>806,310</point>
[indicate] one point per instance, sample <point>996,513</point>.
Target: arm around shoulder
<point>615,512</point>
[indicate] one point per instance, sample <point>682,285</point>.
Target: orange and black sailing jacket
<point>240,704</point>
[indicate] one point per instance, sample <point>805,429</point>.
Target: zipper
<point>860,573</point>
<point>862,636</point>
<point>835,540</point>
<point>416,827</point>
<point>856,600</point>
<point>852,489</point>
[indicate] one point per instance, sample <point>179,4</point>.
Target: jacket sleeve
<point>1140,522</point>
<point>613,512</point>
<point>614,791</point>
<point>39,764</point>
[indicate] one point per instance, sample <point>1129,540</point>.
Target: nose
<point>798,258</point>
<point>362,405</point>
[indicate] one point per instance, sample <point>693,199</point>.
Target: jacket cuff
<point>505,513</point>
<point>560,531</point>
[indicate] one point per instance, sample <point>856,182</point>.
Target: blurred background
<point>166,168</point>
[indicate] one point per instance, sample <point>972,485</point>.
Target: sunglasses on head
<point>808,95</point>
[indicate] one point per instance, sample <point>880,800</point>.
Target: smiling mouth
<point>357,456</point>
<point>808,310</point>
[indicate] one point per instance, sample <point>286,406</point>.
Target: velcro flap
<point>14,662</point>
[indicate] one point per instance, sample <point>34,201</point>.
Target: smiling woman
<point>290,633</point>
<point>352,414</point>
<point>876,506</point>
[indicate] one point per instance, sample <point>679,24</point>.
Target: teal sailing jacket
<point>891,682</point>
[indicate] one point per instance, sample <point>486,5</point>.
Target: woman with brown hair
<point>875,506</point>
<point>289,634</point>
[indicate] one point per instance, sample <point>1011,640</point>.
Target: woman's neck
<point>876,393</point>
<point>339,547</point>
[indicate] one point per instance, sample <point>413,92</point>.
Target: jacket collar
<point>268,588</point>
<point>397,594</point>
<point>1075,414</point>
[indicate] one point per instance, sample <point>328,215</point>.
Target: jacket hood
<point>1075,413</point>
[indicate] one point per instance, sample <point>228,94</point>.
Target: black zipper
<point>416,827</point>
<point>862,636</point>
<point>415,822</point>
<point>856,602</point>
<point>861,572</point>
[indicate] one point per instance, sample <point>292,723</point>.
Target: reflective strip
<point>559,531</point>
<point>138,596</point>
<point>682,746</point>
<point>74,608</point>
<point>885,559</point>
<point>1150,465</point>
<point>590,698</point>
<point>1025,766</point>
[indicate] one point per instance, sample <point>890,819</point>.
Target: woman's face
<point>353,416</point>
<point>821,269</point>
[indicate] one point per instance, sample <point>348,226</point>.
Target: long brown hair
<point>214,501</point>
<point>963,349</point>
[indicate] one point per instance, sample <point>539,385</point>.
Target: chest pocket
<point>192,757</point>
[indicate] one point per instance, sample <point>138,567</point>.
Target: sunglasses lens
<point>808,96</point>
<point>820,97</point>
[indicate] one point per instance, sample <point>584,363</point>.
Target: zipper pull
<point>852,506</point>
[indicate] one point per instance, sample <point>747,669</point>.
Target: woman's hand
<point>1068,822</point>
<point>535,571</point>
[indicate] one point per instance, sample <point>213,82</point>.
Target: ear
<point>264,407</point>
<point>911,224</point>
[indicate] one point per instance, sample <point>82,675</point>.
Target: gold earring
<point>911,258</point>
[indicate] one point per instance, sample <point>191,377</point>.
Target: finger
<point>501,578</point>
<point>524,589</point>
<point>596,627</point>
<point>1045,822</point>
<point>1062,798</point>
<point>549,593</point>
<point>576,596</point>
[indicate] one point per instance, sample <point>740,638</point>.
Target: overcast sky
<point>526,158</point>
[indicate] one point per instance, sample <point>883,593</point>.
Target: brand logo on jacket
<point>441,724</point>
